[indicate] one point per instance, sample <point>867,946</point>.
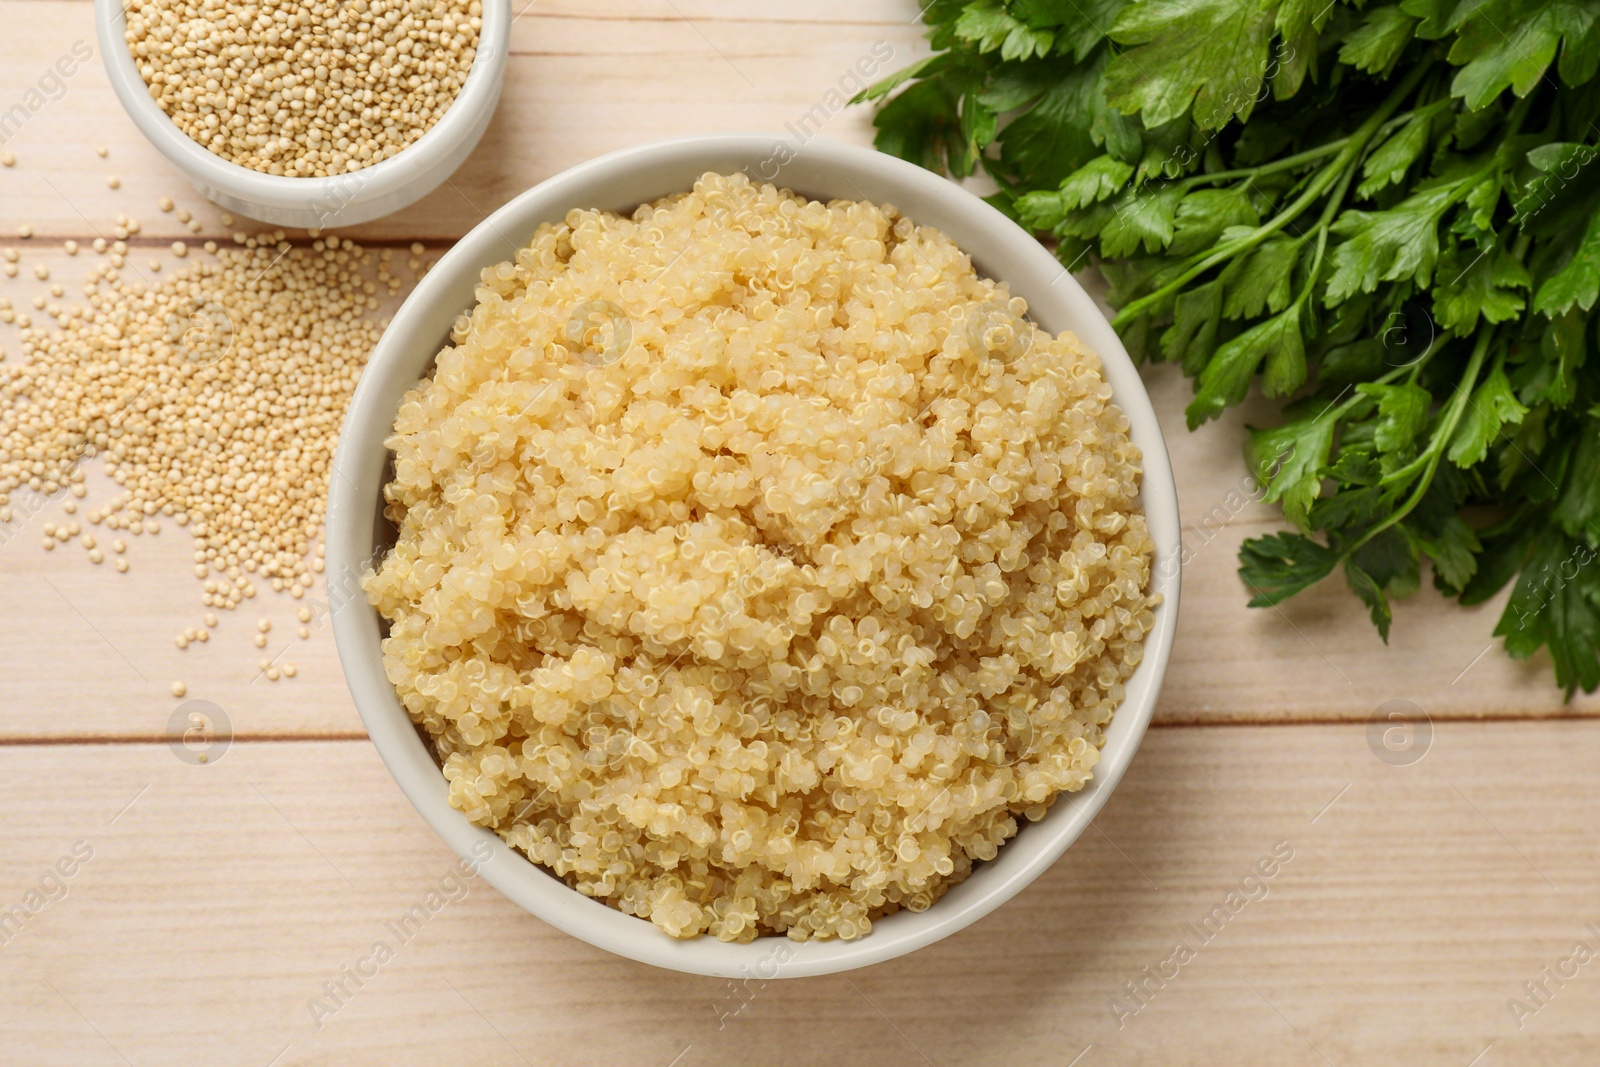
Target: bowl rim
<point>479,91</point>
<point>1060,301</point>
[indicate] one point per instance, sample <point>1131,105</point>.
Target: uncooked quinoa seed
<point>214,396</point>
<point>759,566</point>
<point>304,89</point>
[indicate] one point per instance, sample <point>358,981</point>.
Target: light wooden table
<point>219,899</point>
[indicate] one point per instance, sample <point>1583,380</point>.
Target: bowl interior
<point>357,532</point>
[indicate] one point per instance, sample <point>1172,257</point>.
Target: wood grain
<point>1417,901</point>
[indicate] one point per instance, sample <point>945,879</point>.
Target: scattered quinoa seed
<point>216,399</point>
<point>178,689</point>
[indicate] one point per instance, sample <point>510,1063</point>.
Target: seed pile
<point>759,566</point>
<point>304,89</point>
<point>213,396</point>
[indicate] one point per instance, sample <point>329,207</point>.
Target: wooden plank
<point>1417,901</point>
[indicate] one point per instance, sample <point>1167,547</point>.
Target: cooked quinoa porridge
<point>759,566</point>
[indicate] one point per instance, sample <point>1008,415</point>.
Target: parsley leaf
<point>1227,377</point>
<point>1277,566</point>
<point>1390,162</point>
<point>1289,460</point>
<point>1094,181</point>
<point>1491,408</point>
<point>1402,413</point>
<point>1508,44</point>
<point>1486,287</point>
<point>1261,280</point>
<point>1192,337</point>
<point>1577,510</point>
<point>1454,551</point>
<point>1079,25</point>
<point>1376,44</point>
<point>917,124</point>
<point>1401,243</point>
<point>1208,54</point>
<point>991,27</point>
<point>1057,134</point>
<point>1366,587</point>
<point>1578,281</point>
<point>1204,216</point>
<point>1141,218</point>
<point>1554,605</point>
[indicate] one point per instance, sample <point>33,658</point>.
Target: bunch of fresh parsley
<point>1388,211</point>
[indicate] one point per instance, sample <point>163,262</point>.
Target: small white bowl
<point>620,182</point>
<point>318,203</point>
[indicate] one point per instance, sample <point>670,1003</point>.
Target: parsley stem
<point>1286,163</point>
<point>1416,112</point>
<point>1335,202</point>
<point>1437,446</point>
<point>1519,249</point>
<point>1343,408</point>
<point>1347,157</point>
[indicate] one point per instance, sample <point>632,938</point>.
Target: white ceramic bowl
<point>318,203</point>
<point>620,182</point>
